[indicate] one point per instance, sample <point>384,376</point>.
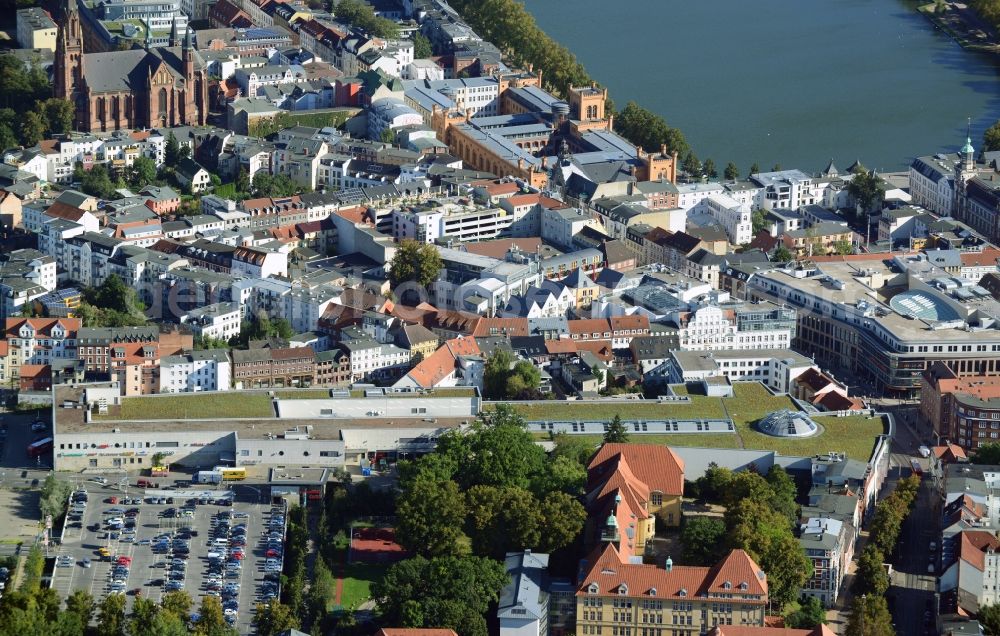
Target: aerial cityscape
<point>387,318</point>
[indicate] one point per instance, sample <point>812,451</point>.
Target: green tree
<point>8,139</point>
<point>361,15</point>
<point>871,577</point>
<point>563,517</point>
<point>501,452</point>
<point>495,374</point>
<point>430,516</point>
<point>776,167</point>
<point>414,262</point>
<point>650,131</point>
<point>870,617</point>
<point>523,382</point>
<point>781,254</point>
<point>171,151</point>
<point>988,453</point>
<point>566,474</point>
<point>809,615</point>
<point>709,170</point>
<point>758,221</point>
<point>732,173</point>
<point>142,172</point>
<point>177,602</point>
<point>141,620</point>
<point>703,538</point>
<point>387,136</point>
<point>446,592</point>
<point>242,183</point>
<point>274,617</point>
<point>989,618</point>
<point>575,448</point>
<point>692,165</point>
<point>33,128</point>
<point>421,47</point>
<point>843,247</point>
<point>754,169</point>
<point>34,566</point>
<point>81,604</point>
<point>97,181</point>
<point>211,620</point>
<point>111,616</point>
<point>58,114</point>
<point>991,138</point>
<point>866,189</point>
<point>54,497</point>
<point>502,519</point>
<point>616,433</point>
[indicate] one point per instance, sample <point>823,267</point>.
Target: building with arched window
<point>138,88</point>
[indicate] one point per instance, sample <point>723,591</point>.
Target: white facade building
<point>732,215</point>
<point>209,370</point>
<point>219,321</point>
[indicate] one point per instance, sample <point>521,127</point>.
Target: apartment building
<point>36,29</point>
<point>733,216</point>
<point>218,321</point>
<point>202,370</point>
<point>372,360</point>
<point>829,544</point>
<point>280,367</point>
<point>39,341</point>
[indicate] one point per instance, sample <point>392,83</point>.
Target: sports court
<point>374,545</point>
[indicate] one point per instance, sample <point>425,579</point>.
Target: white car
<point>39,426</point>
<point>100,480</point>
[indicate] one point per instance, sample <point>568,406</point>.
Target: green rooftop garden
<point>235,404</point>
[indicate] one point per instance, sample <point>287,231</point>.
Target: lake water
<point>785,81</point>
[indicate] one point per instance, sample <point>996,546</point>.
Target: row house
<point>371,360</point>
<point>333,368</point>
<point>281,367</point>
<point>218,321</point>
<point>39,341</point>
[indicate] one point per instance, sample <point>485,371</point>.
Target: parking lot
<point>176,538</point>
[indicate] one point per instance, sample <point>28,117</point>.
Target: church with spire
<point>150,87</point>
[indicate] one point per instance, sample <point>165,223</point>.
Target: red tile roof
<point>510,327</point>
<point>973,547</point>
<point>42,326</point>
<point>659,467</point>
<point>750,630</point>
<point>65,211</point>
<point>440,364</point>
<point>623,323</point>
<point>950,453</point>
<point>986,258</point>
<point>611,571</point>
<point>589,325</point>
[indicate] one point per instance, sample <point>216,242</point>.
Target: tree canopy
<point>867,189</point>
<point>361,15</point>
<point>449,591</point>
<point>501,382</point>
<point>647,129</point>
<point>415,262</point>
<point>111,304</point>
<point>988,453</point>
<point>616,433</point>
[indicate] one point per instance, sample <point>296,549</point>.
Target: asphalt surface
<point>151,569</point>
<point>916,566</point>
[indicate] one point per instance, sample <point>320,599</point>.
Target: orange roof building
<point>732,591</point>
<point>628,486</point>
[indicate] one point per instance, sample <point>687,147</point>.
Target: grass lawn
<point>302,394</point>
<point>854,435</point>
<point>700,407</point>
<point>205,406</point>
<point>358,579</point>
<point>752,401</point>
<point>705,440</point>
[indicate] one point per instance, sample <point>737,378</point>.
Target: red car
<point>112,500</point>
<point>124,560</point>
<point>237,555</point>
<point>272,553</point>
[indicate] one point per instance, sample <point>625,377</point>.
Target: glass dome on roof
<point>787,423</point>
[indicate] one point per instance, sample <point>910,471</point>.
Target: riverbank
<point>963,25</point>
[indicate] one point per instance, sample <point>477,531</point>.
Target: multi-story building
<point>732,215</point>
<point>25,275</point>
<point>932,182</point>
<point>829,544</point>
<point>524,602</point>
<point>203,370</point>
<point>218,321</point>
<point>787,189</point>
<point>739,326</point>
<point>777,368</point>
<point>40,341</point>
<point>619,596</point>
<point>264,368</point>
<point>972,574</point>
<point>853,315</point>
<point>629,486</point>
<point>371,359</point>
<point>36,29</point>
<point>963,410</point>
